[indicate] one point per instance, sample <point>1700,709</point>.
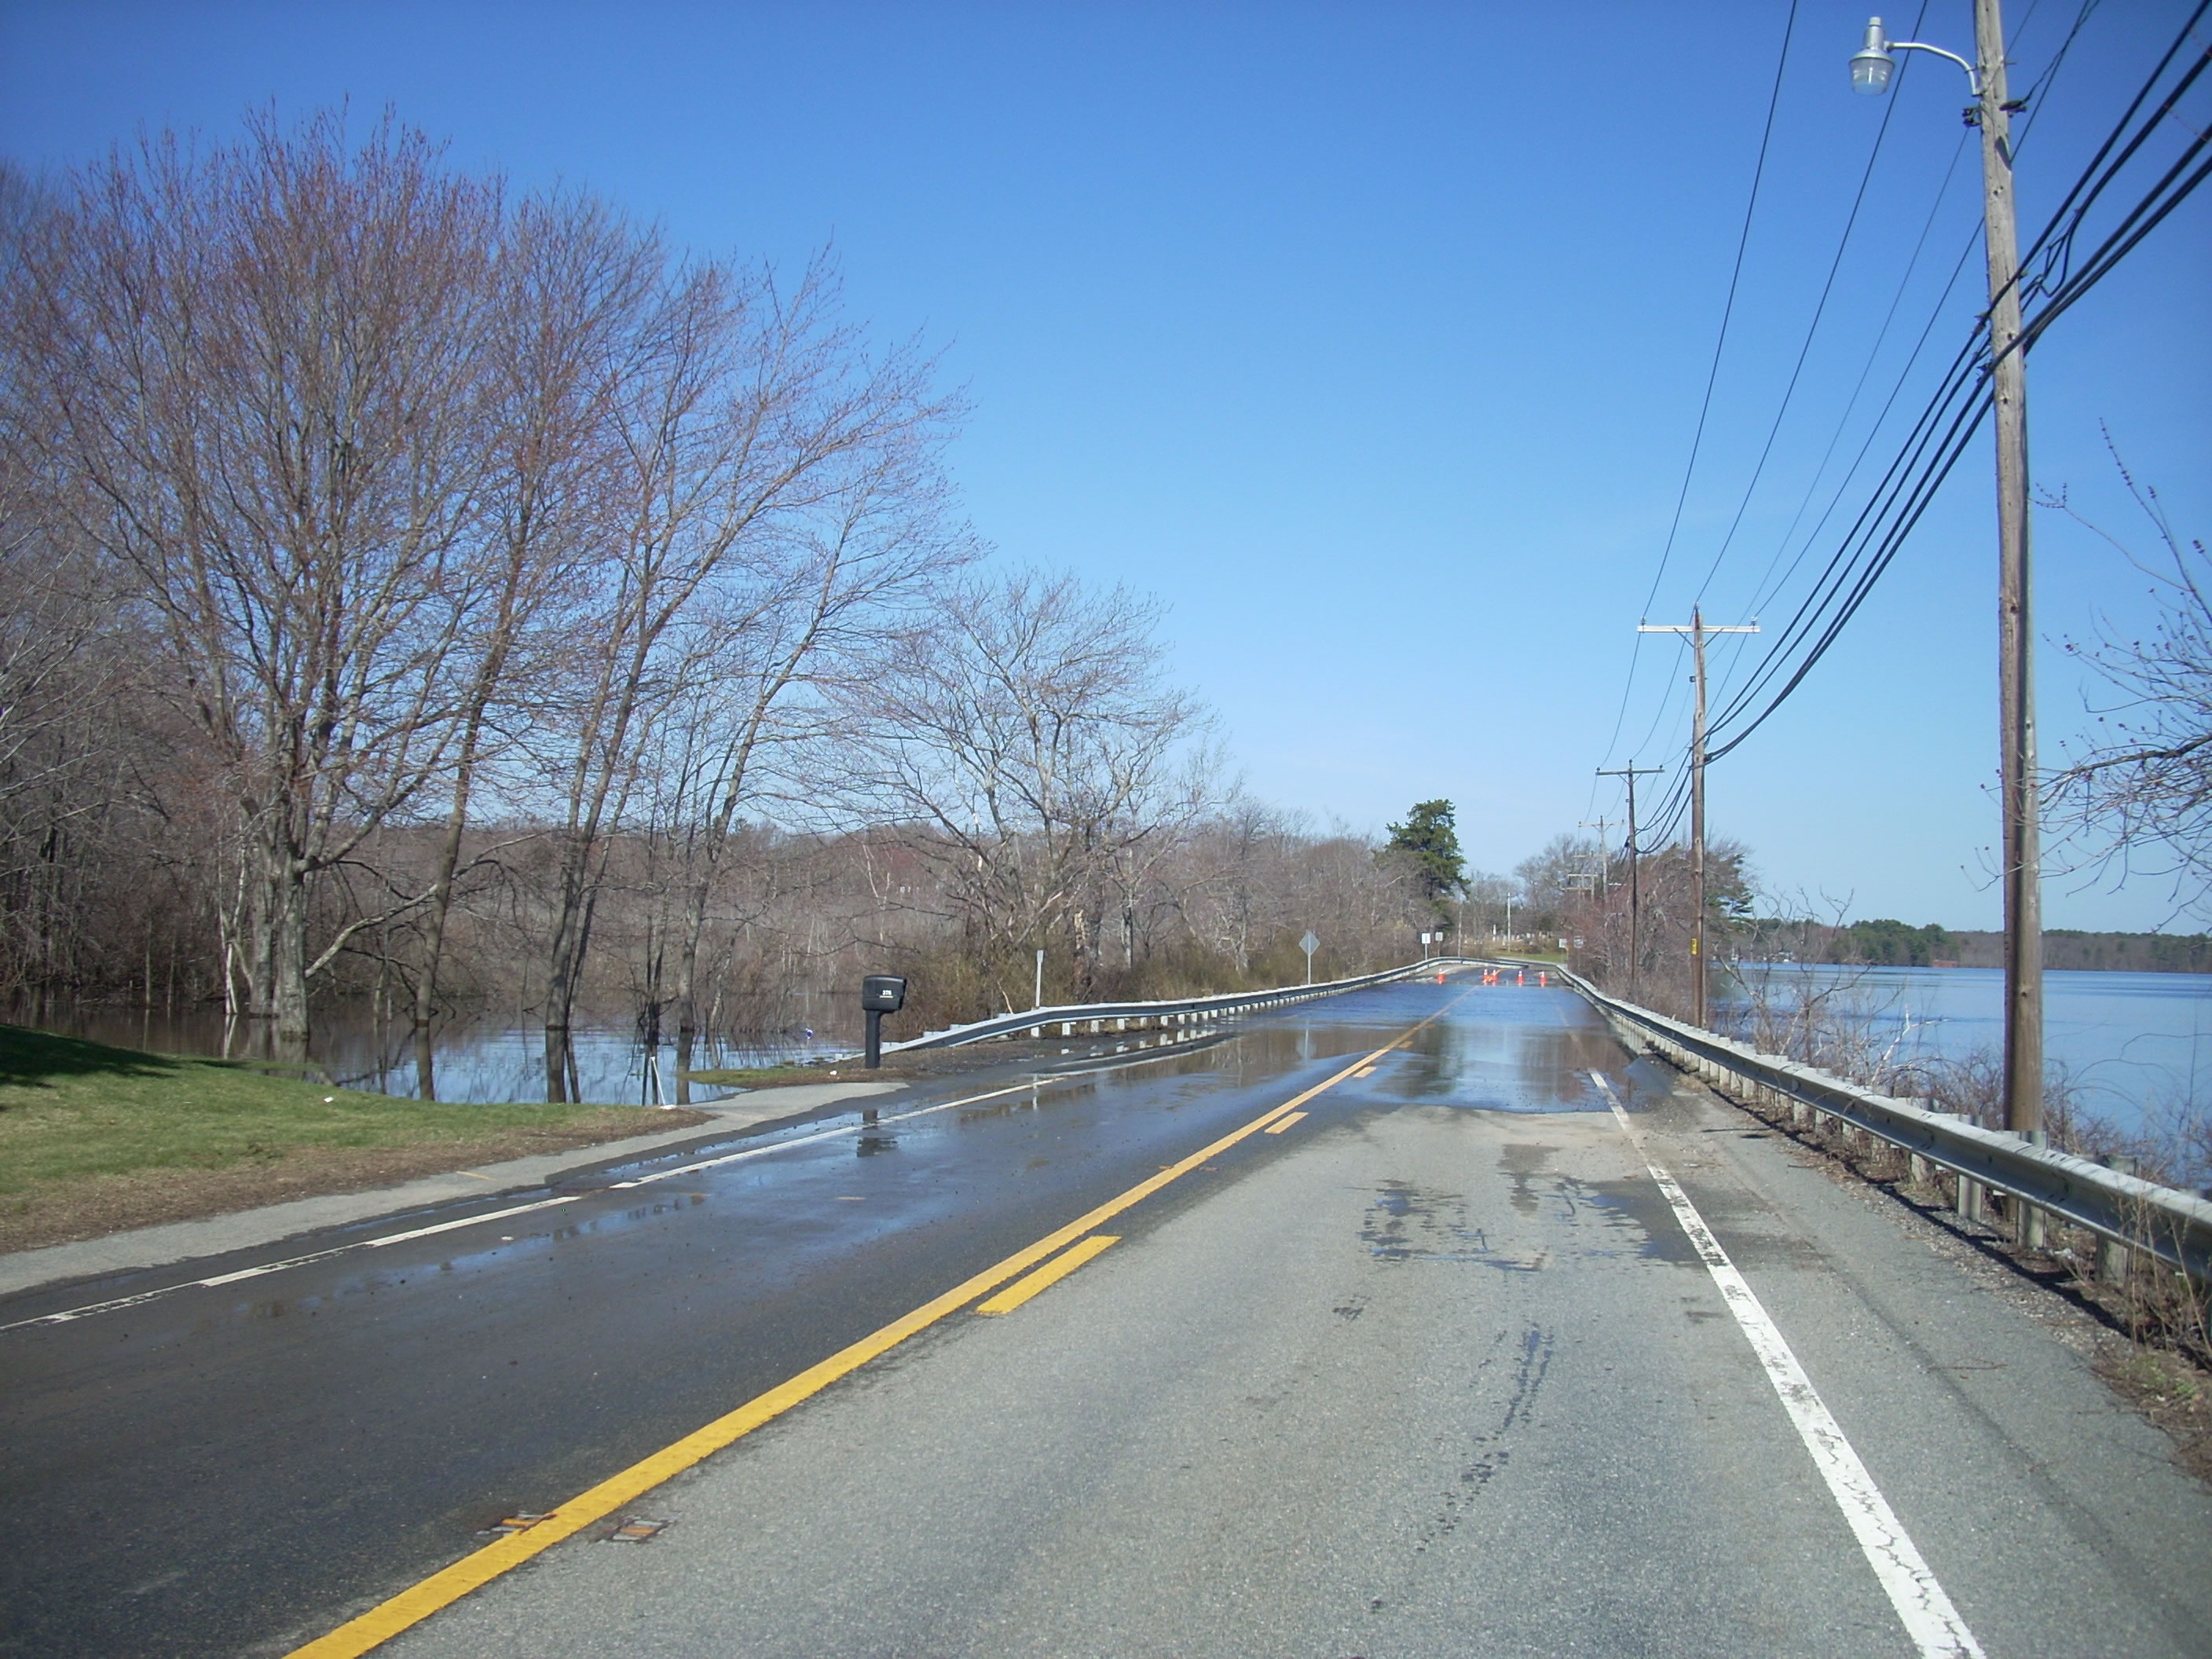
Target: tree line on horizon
<point>1884,942</point>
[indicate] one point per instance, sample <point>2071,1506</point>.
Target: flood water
<point>2137,1046</point>
<point>485,1055</point>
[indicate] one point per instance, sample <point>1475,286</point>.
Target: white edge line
<point>216,1281</point>
<point>1929,1619</point>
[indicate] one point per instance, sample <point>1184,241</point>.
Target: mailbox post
<point>880,994</point>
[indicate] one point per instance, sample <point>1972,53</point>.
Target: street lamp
<point>1871,68</point>
<point>1872,65</point>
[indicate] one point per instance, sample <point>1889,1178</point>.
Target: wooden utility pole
<point>1601,878</point>
<point>1604,849</point>
<point>1697,628</point>
<point>2023,857</point>
<point>1635,882</point>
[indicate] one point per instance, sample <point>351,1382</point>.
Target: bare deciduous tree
<point>2140,789</point>
<point>749,421</point>
<point>1031,731</point>
<point>259,363</point>
<point>569,284</point>
<point>840,580</point>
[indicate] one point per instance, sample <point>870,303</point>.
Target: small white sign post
<point>1309,945</point>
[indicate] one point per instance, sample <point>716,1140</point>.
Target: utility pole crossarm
<point>1604,846</point>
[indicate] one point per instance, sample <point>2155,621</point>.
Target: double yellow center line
<point>442,1589</point>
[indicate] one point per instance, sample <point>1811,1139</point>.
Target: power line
<point>1728,310</point>
<point>1770,584</point>
<point>1720,344</point>
<point>1843,569</point>
<point>1956,410</point>
<point>1812,329</point>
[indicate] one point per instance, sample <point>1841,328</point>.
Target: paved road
<point>1434,1370</point>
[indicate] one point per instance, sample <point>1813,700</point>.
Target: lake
<point>484,1055</point>
<point>2137,1045</point>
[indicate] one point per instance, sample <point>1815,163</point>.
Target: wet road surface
<point>1434,1368</point>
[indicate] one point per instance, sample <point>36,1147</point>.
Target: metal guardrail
<point>2175,1226</point>
<point>1098,1017</point>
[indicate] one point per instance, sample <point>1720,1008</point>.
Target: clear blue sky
<point>1373,337</point>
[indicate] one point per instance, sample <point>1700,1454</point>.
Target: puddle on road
<point>1506,1051</point>
<point>1522,1164</point>
<point>1497,1049</point>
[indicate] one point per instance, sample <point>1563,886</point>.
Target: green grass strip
<point>71,1109</point>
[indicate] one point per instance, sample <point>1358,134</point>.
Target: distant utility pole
<point>1696,628</point>
<point>1600,880</point>
<point>1604,852</point>
<point>1635,884</point>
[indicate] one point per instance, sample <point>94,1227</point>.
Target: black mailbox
<point>880,994</point>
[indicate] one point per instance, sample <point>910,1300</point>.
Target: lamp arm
<point>1973,76</point>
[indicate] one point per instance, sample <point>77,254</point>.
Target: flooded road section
<point>216,1468</point>
<point>1425,1364</point>
<point>1434,1368</point>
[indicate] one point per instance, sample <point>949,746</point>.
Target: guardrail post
<point>1915,1167</point>
<point>2113,1257</point>
<point>1968,1203</point>
<point>2031,1230</point>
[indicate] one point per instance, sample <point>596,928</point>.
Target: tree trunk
<point>564,951</point>
<point>441,903</point>
<point>286,949</point>
<point>687,984</point>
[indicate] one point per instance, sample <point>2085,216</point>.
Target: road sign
<point>1309,944</point>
